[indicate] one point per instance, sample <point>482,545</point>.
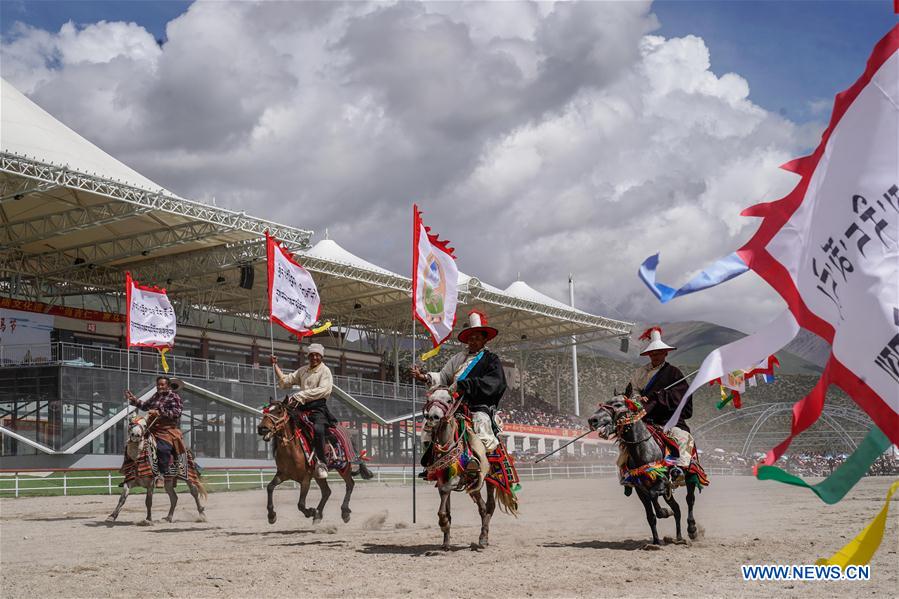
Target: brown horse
<point>140,474</point>
<point>451,437</point>
<point>291,463</point>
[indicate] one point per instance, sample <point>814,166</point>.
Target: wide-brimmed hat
<point>316,348</point>
<point>477,323</point>
<point>654,335</point>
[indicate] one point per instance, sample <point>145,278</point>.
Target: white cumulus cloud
<point>541,138</point>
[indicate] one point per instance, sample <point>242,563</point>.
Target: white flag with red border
<point>150,319</point>
<point>293,298</point>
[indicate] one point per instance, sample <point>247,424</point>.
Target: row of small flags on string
<point>734,383</point>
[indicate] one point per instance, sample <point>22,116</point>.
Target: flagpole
<point>414,431</point>
<point>271,336</point>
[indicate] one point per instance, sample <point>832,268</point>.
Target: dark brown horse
<point>291,463</point>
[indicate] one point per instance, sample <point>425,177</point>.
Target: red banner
<point>67,311</point>
<point>540,430</point>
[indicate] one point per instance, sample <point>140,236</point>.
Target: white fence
<point>68,482</point>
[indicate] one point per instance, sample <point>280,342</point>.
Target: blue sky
<point>795,54</point>
<point>792,53</point>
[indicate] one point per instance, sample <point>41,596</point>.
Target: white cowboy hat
<point>477,323</point>
<point>654,334</point>
<point>316,348</point>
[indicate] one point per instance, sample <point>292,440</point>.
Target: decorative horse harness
<point>341,453</point>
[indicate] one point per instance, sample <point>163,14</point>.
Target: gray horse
<point>138,438</point>
<point>616,418</point>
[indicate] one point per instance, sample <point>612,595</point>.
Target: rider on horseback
<point>476,375</point>
<point>315,384</point>
<point>659,401</point>
<point>164,411</point>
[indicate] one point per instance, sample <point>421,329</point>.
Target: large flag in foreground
<point>150,320</point>
<point>293,298</point>
<point>435,281</point>
<point>830,248</point>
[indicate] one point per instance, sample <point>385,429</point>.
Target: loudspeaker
<point>247,274</point>
<point>625,344</point>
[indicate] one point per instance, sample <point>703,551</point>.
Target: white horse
<point>138,438</point>
<point>449,443</point>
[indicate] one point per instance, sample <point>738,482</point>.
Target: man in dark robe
<point>662,386</point>
<point>476,375</point>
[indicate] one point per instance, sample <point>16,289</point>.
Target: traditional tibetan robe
<point>481,388</point>
<point>651,382</point>
<point>661,403</point>
<point>167,426</point>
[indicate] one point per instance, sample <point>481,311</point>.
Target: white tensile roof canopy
<point>74,219</point>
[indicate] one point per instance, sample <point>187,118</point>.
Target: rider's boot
<point>474,464</point>
<point>321,471</point>
<point>676,474</point>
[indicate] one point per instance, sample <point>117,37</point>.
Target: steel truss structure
<point>833,416</point>
<point>66,234</point>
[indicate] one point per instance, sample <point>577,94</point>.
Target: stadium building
<point>73,220</point>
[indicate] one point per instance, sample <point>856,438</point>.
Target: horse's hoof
<point>445,547</point>
<point>316,520</point>
<point>681,541</point>
<point>345,516</point>
<point>651,547</point>
<point>477,547</point>
<point>110,519</point>
<point>169,519</point>
<point>664,513</point>
<point>201,517</point>
<point>272,517</point>
<point>145,523</point>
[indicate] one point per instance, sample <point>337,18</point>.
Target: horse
<point>139,450</point>
<point>647,470</point>
<point>455,452</point>
<point>292,464</point>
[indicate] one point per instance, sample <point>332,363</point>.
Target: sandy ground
<point>573,538</point>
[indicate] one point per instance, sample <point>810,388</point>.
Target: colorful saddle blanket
<point>338,447</point>
<point>146,466</point>
<point>503,474</point>
<point>648,473</point>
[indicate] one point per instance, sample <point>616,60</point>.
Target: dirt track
<point>574,538</point>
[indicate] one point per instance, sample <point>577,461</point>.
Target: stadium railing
<point>72,481</point>
<point>112,358</point>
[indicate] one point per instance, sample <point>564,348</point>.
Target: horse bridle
<point>620,426</point>
<point>278,423</point>
<point>448,412</point>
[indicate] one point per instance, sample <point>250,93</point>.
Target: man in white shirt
<point>315,384</point>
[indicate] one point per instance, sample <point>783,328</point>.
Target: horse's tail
<point>361,467</point>
<point>201,488</point>
<point>195,477</point>
<point>507,501</point>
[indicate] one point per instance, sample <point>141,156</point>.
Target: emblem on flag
<point>435,280</point>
